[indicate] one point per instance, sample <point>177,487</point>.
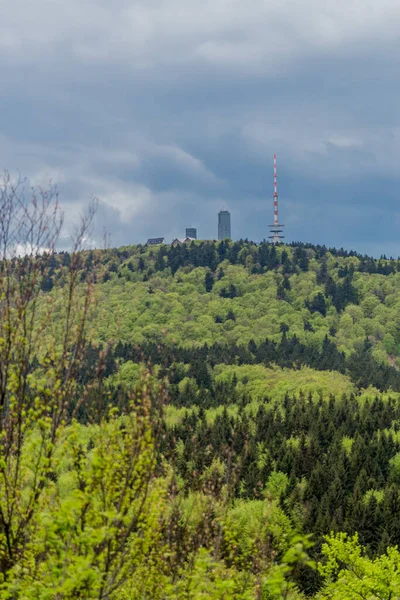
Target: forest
<point>209,420</point>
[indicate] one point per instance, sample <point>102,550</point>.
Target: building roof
<point>182,240</point>
<point>155,241</point>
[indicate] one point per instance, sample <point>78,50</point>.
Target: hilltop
<point>246,303</point>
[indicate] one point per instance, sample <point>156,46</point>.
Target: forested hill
<point>281,371</point>
<point>247,303</point>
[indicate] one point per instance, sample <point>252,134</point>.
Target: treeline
<point>259,258</point>
<point>264,256</point>
<point>369,264</point>
<point>340,459</point>
<point>290,352</point>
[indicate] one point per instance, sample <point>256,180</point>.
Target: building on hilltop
<point>191,232</point>
<point>224,224</point>
<point>156,241</point>
<point>185,240</point>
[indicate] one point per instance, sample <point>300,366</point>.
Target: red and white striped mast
<point>276,228</point>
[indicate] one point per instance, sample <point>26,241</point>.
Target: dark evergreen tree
<point>208,281</point>
<point>318,304</point>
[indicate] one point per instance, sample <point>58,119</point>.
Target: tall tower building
<point>224,224</point>
<point>191,232</point>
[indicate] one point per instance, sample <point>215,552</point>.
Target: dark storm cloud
<point>169,111</point>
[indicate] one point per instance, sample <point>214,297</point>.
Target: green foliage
<point>275,383</point>
<point>109,514</point>
<point>274,430</point>
<point>209,579</point>
<point>278,584</point>
<point>395,468</point>
<point>277,484</point>
<point>189,273</point>
<point>350,574</point>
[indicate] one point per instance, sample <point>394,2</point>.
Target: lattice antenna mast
<point>276,228</point>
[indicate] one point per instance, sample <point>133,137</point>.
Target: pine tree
<point>208,281</point>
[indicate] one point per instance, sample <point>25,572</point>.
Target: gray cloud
<point>168,110</point>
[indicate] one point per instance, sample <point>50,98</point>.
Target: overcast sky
<point>169,110</point>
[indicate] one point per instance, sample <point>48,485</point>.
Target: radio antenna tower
<point>276,228</point>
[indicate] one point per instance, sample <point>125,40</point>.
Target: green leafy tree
<point>38,372</point>
<point>350,574</point>
<point>88,542</point>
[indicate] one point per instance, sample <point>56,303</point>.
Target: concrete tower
<point>224,224</point>
<point>191,232</point>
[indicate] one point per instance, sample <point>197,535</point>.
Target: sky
<point>168,111</point>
